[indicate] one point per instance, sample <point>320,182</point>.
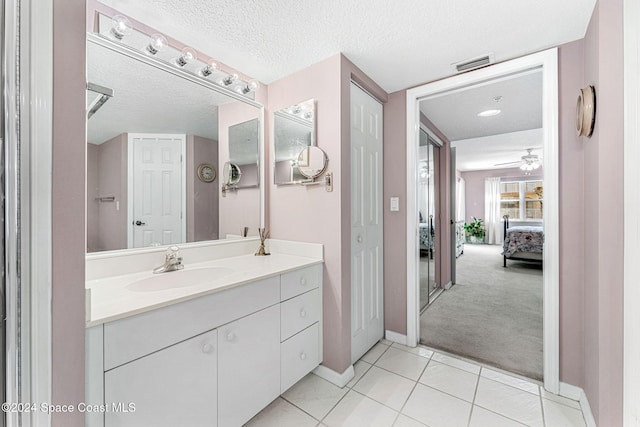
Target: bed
<point>427,234</point>
<point>522,243</point>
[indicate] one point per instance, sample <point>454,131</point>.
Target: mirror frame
<point>136,55</point>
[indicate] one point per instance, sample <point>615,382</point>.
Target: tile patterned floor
<point>400,386</point>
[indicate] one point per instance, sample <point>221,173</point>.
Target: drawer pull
<point>303,281</point>
<point>303,356</point>
<point>231,336</point>
<point>207,348</point>
<point>303,313</point>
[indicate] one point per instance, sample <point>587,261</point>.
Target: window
<point>521,200</point>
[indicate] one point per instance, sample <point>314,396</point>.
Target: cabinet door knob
<point>303,313</point>
<point>231,336</point>
<point>303,356</point>
<point>303,281</point>
<point>207,348</point>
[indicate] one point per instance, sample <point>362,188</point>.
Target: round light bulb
<point>229,79</point>
<point>157,43</point>
<point>208,69</point>
<point>121,27</point>
<point>188,55</point>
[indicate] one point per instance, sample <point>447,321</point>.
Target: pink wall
<point>395,223</point>
<point>202,197</point>
<point>241,208</point>
<point>68,210</point>
<point>603,190</point>
<point>112,181</point>
<point>474,186</point>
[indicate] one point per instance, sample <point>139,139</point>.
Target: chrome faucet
<point>172,261</point>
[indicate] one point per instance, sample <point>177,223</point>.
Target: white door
<point>156,191</point>
<point>367,320</point>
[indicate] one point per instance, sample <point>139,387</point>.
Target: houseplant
<point>475,231</point>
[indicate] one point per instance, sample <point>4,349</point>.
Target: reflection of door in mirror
<point>428,167</point>
<point>157,199</point>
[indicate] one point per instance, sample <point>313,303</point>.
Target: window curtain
<point>461,213</point>
<point>493,235</point>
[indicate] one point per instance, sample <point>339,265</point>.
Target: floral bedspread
<point>425,241</point>
<point>523,239</point>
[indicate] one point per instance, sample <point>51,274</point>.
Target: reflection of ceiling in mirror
<point>148,100</point>
<point>291,136</point>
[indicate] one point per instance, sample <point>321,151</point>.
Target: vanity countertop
<point>117,297</point>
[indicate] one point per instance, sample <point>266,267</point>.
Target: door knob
<point>359,239</point>
<point>138,222</point>
<point>231,336</point>
<point>206,348</point>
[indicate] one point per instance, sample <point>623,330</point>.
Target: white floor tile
<point>480,417</point>
<point>456,363</point>
<point>511,380</point>
<point>437,409</point>
<point>450,380</point>
<point>560,399</point>
<point>402,363</point>
<point>509,401</point>
<point>360,368</point>
<point>281,413</point>
<point>376,351</point>
<point>558,415</point>
<point>419,350</point>
<point>404,421</point>
<point>356,410</point>
<point>314,395</point>
<point>385,387</point>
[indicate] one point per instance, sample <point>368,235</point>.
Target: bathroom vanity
<point>212,344</point>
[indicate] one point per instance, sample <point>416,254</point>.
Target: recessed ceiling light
<point>489,113</point>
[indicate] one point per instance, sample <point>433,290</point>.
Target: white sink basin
<point>179,279</point>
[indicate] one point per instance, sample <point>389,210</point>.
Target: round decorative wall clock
<point>586,111</point>
<point>206,172</point>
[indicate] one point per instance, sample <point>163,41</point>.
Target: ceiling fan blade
<point>508,163</point>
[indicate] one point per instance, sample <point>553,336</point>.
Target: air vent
<point>474,63</point>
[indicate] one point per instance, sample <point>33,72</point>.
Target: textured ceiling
<point>455,113</point>
<point>398,44</point>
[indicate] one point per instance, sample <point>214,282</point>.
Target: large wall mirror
<point>294,131</point>
<point>158,139</point>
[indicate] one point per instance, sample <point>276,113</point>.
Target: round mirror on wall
<point>312,162</point>
<point>231,173</point>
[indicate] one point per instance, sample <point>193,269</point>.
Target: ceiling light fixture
<point>157,43</point>
<point>489,113</point>
<point>121,27</point>
<point>188,55</point>
<point>208,69</point>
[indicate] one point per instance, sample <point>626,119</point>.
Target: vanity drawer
<point>131,338</point>
<point>300,354</point>
<point>298,313</point>
<point>300,281</point>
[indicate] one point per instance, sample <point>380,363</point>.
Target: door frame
<point>130,184</point>
<point>548,61</point>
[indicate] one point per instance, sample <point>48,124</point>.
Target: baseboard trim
<point>339,379</point>
<point>395,337</point>
<point>447,286</point>
<point>576,393</point>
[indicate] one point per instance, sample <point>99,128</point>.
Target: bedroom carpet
<point>492,315</point>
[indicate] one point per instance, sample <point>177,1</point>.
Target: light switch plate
<point>394,204</point>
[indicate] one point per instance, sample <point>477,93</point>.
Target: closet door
<point>367,321</point>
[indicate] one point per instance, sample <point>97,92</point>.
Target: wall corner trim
<point>576,393</point>
<point>339,379</point>
<point>395,337</point>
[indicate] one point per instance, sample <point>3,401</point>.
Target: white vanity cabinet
<point>215,360</point>
<point>172,387</point>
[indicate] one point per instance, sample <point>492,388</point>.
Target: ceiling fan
<point>527,163</point>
